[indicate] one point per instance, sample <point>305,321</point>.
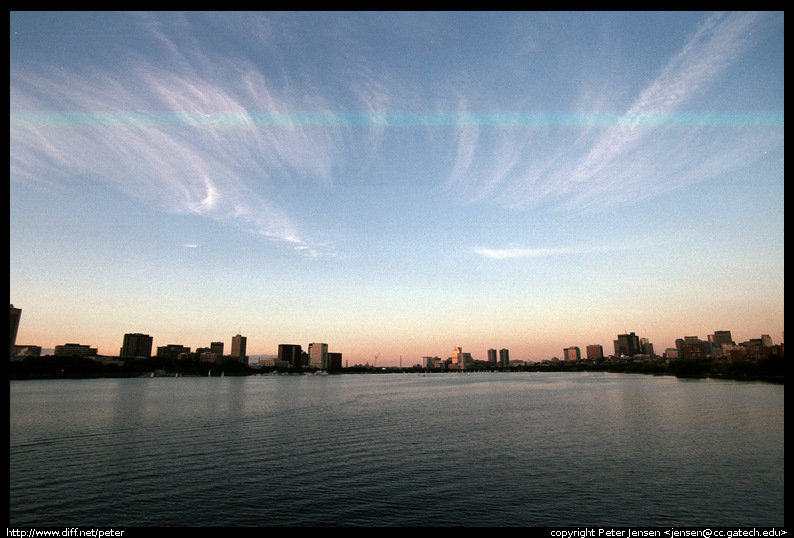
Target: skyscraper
<point>504,358</point>
<point>627,344</point>
<point>238,348</point>
<point>492,357</point>
<point>136,345</point>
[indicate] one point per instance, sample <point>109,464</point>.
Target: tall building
<point>461,360</point>
<point>492,357</point>
<point>504,358</point>
<point>595,352</point>
<point>571,354</point>
<point>136,345</point>
<point>334,361</point>
<point>238,348</point>
<point>16,315</point>
<point>646,347</point>
<point>627,344</point>
<point>217,348</point>
<point>318,355</point>
<point>290,354</point>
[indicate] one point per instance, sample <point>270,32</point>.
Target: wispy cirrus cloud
<point>603,158</point>
<point>190,127</point>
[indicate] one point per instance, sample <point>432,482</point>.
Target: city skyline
<point>627,344</point>
<point>396,183</point>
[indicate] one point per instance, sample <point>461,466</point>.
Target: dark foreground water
<point>529,449</point>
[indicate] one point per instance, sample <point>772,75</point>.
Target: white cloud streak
<point>181,128</point>
<point>605,160</point>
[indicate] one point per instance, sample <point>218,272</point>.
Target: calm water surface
<point>528,449</point>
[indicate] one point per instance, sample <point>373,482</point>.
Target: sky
<point>396,184</point>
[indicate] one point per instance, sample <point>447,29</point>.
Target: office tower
<point>492,357</point>
<point>16,315</point>
<point>504,358</point>
<point>238,348</point>
<point>318,355</point>
<point>595,352</point>
<point>136,345</point>
<point>627,344</point>
<point>571,354</point>
<point>290,354</point>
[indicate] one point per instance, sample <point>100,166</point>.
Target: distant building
<point>172,351</point>
<point>461,360</point>
<point>504,358</point>
<point>595,352</point>
<point>74,350</point>
<point>628,345</point>
<point>720,338</point>
<point>217,348</point>
<point>136,345</point>
<point>766,340</point>
<point>290,354</point>
<point>693,348</point>
<point>492,357</point>
<point>22,351</point>
<point>318,355</point>
<point>334,361</point>
<point>238,348</point>
<point>433,363</point>
<point>571,354</point>
<point>16,315</point>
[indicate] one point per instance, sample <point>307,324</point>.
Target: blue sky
<point>396,183</point>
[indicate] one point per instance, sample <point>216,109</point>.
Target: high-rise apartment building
<point>504,358</point>
<point>136,345</point>
<point>491,357</point>
<point>238,348</point>
<point>571,354</point>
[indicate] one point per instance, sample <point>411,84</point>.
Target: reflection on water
<point>530,449</point>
